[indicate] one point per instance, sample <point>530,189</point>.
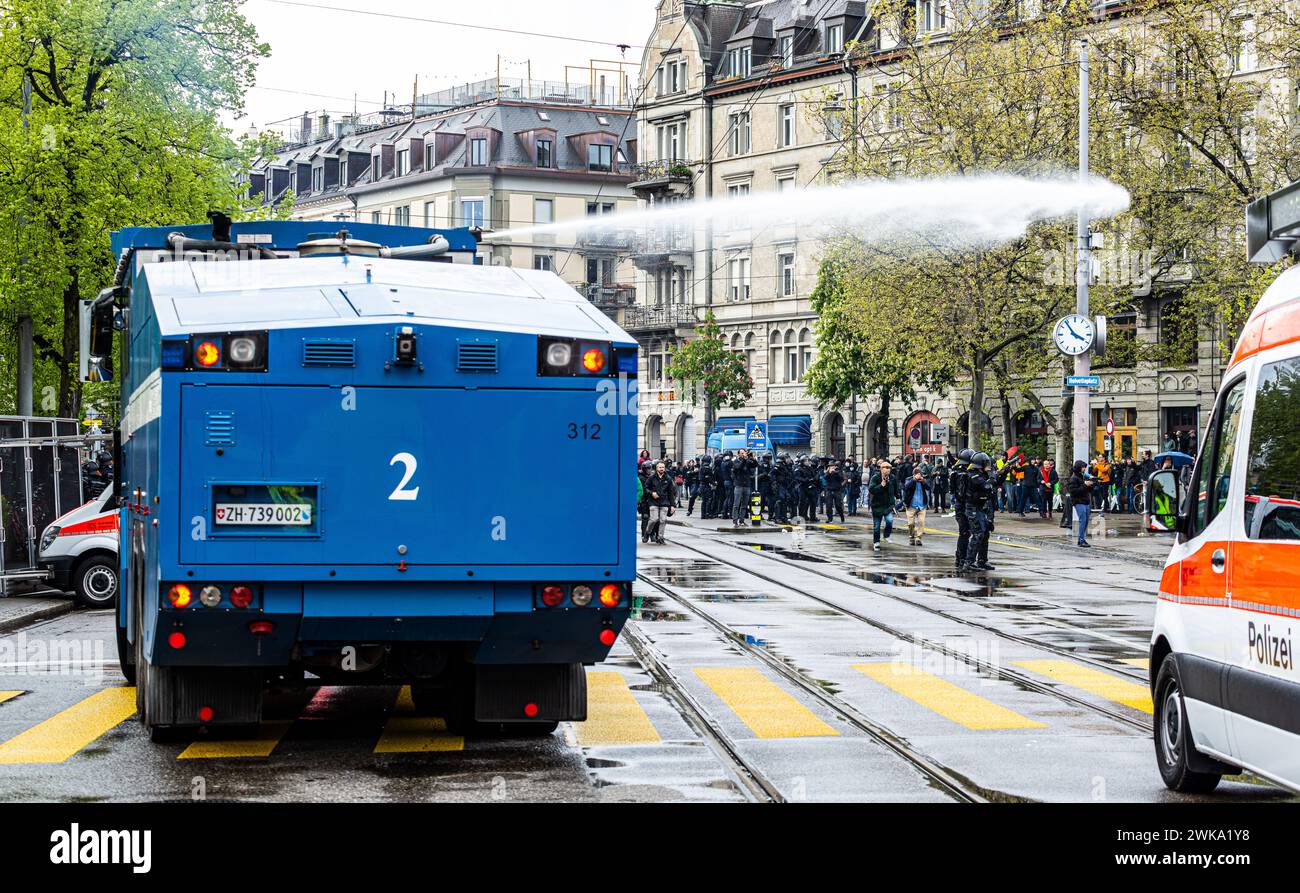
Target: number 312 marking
<point>583,432</point>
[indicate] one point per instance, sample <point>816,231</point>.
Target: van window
<point>1214,471</point>
<point>1273,477</point>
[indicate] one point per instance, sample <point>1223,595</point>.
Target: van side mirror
<point>98,326</point>
<point>1162,500</point>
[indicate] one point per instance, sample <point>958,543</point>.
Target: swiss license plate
<point>260,514</point>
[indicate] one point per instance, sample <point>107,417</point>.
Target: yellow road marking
<point>768,710</point>
<point>1113,688</point>
<point>417,734</point>
<point>948,700</point>
<point>6,695</point>
<point>65,733</point>
<point>831,527</point>
<point>1140,662</point>
<point>267,737</point>
<point>404,733</point>
<point>613,715</point>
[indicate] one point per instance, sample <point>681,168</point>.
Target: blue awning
<point>790,429</point>
<point>731,422</point>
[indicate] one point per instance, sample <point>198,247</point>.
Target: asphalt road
<point>759,669</point>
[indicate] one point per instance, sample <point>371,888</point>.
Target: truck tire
<point>96,582</point>
<point>1173,736</point>
<point>125,655</point>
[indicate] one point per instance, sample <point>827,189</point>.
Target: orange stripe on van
<point>1278,326</point>
<point>1266,577</point>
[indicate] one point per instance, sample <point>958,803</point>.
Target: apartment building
<point>490,158</point>
<point>732,104</point>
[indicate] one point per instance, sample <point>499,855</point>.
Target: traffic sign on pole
<point>756,436</point>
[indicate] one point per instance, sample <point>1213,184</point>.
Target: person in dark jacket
<point>882,495</point>
<point>661,496</point>
<point>726,485</point>
<point>834,492</point>
<point>808,486</point>
<point>853,480</point>
<point>743,468</point>
<point>708,486</point>
<point>981,497</point>
<point>916,498</point>
<point>1080,487</point>
<point>939,487</point>
<point>958,479</point>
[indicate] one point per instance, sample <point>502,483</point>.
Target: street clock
<point>1075,335</point>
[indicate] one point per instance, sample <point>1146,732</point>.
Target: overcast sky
<point>339,54</point>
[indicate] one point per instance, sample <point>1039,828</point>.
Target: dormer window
<point>834,39</point>
<point>478,152</point>
<point>403,162</point>
<point>545,153</point>
<point>740,62</point>
<point>600,159</point>
<point>318,179</point>
<point>375,167</point>
<point>430,156</point>
<point>787,51</point>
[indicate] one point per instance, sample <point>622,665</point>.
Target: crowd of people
<point>971,486</point>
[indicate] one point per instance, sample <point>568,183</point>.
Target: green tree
<point>709,371</point>
<point>123,131</point>
<point>845,369</point>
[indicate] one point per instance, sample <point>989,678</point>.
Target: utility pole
<point>24,401</point>
<point>1083,273</point>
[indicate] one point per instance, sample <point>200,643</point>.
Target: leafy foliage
<point>123,131</point>
<point>709,370</point>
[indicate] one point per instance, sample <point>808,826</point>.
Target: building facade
<point>733,102</point>
<point>501,164</point>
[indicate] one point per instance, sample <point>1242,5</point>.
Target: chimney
<point>305,128</point>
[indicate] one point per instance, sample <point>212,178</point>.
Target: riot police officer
<point>808,488</point>
<point>708,484</point>
<point>783,482</point>
<point>979,492</point>
<point>957,481</point>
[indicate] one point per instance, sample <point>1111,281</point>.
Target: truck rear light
<point>241,596</point>
<point>180,596</point>
<point>610,595</point>
<point>552,596</point>
<point>261,627</point>
<point>176,640</point>
<point>593,360</point>
<point>607,637</point>
<point>206,714</point>
<point>207,354</point>
<point>581,596</point>
<point>210,596</point>
<point>530,710</point>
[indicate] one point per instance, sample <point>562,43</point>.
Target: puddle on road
<point>792,554</point>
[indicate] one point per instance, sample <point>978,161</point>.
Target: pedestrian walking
<point>883,496</point>
<point>1081,487</point>
<point>916,498</point>
<point>661,494</point>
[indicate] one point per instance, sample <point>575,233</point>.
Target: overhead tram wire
<point>410,18</point>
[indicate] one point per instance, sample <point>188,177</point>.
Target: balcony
<point>610,297</point>
<point>601,238</point>
<point>663,179</point>
<point>678,317</point>
<point>657,246</point>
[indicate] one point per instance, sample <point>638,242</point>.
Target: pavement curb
<point>36,615</point>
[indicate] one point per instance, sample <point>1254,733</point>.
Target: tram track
<point>754,784</point>
<point>1010,636</point>
<point>952,783</point>
<point>984,666</point>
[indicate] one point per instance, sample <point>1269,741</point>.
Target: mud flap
<point>176,695</point>
<point>504,692</point>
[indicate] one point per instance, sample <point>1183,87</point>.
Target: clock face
<point>1074,335</point>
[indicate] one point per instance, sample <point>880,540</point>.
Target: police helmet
<point>982,460</point>
<point>966,456</point>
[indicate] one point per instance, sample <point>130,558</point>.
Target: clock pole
<point>1083,273</point>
